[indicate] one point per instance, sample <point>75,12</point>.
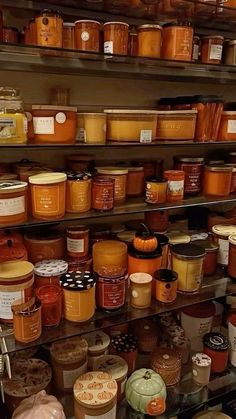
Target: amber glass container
<point>227,130</point>
<point>149,41</point>
<point>192,167</point>
<point>210,261</point>
<point>217,180</point>
<point>13,202</point>
<point>212,49</point>
<point>143,262</point>
<point>135,181</point>
<point>68,39</point>
<point>110,258</point>
<point>87,35</point>
<point>177,42</point>
<point>49,272</point>
<point>44,245</point>
<point>77,241</point>
<point>27,323</point>
<point>103,193</point>
<point>10,35</point>
<point>116,37</point>
<point>110,292</point>
<point>78,192</point>
<point>50,296</point>
<point>209,109</point>
<point>157,220</point>
<point>49,26</point>
<point>155,191</point>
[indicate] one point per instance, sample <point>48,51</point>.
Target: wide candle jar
<point>140,290</point>
<point>45,245</point>
<point>87,35</point>
<point>116,37</point>
<point>98,345</point>
<point>110,258</point>
<point>216,346</point>
<point>78,192</point>
<point>13,202</point>
<point>27,324</point>
<point>177,42</point>
<point>49,27</point>
<point>221,235</point>
<point>192,167</point>
<point>175,184</point>
<point>49,272</point>
<point>120,178</point>
<point>69,361</point>
<point>187,261</point>
<point>149,41</point>
<point>217,180</point>
<point>143,262</point>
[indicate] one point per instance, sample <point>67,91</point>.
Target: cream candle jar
<point>201,364</point>
<point>98,344</point>
<point>117,367</point>
<point>141,290</point>
<point>221,235</point>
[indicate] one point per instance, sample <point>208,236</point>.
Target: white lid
<point>114,365</point>
<point>112,170</point>
<point>132,111</point>
<point>97,341</point>
<point>201,359</point>
<point>87,21</point>
<point>12,185</point>
<point>116,23</point>
<point>232,238</point>
<point>58,108</point>
<point>140,278</point>
<point>233,113</point>
<point>47,178</point>
<point>52,267</point>
<point>68,25</point>
<point>224,230</point>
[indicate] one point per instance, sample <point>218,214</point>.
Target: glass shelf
<point>214,287</point>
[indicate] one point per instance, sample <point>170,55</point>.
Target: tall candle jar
<point>98,345</point>
<point>221,234</point>
<point>149,40</point>
<point>103,193</point>
<point>110,292</point>
<point>116,37</point>
<point>110,258</point>
<point>201,369</point>
<point>192,167</point>
<point>216,346</point>
<point>177,41</point>
<point>165,285</point>
<point>87,35</point>
<point>49,27</point>
<point>140,290</point>
<point>27,325</point>
<point>50,296</point>
<point>120,178</point>
<point>77,241</point>
<point>175,184</point>
<point>78,192</point>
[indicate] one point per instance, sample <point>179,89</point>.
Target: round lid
<point>70,350</point>
<point>165,358</point>
<point>80,157</point>
<point>114,365</point>
<point>99,229</point>
<point>95,389</point>
<point>208,245</point>
<point>78,175</point>
<point>126,236</point>
<point>201,359</point>
<point>47,178</point>
<point>162,239</point>
<point>201,310</point>
<point>118,228</point>
<point>78,229</point>
<point>186,159</point>
<point>14,270</point>
<point>111,247</point>
<point>211,415</point>
<point>111,170</point>
<point>219,168</point>
<point>221,38</point>
<point>68,25</point>
<point>232,238</point>
<point>178,238</point>
<point>216,341</point>
<point>116,23</point>
<point>87,21</point>
<point>12,186</point>
<point>150,26</point>
<point>188,250</point>
<point>165,275</point>
<point>155,180</point>
<point>141,255</point>
<point>140,278</point>
<point>224,230</point>
<point>124,343</point>
<point>52,267</point>
<point>97,341</point>
<point>77,280</point>
<point>48,236</point>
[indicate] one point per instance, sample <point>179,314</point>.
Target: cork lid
<point>165,358</point>
<point>95,388</point>
<point>52,267</point>
<point>15,270</point>
<point>70,350</point>
<point>114,365</point>
<point>97,341</point>
<point>224,230</point>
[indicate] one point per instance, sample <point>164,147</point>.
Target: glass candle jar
<point>44,245</point>
<point>10,35</point>
<point>209,110</point>
<point>177,42</point>
<point>27,325</point>
<point>140,290</point>
<point>149,41</point>
<point>78,192</point>
<point>155,191</point>
<point>187,261</point>
<point>135,181</point>
<point>80,264</point>
<point>210,261</point>
<point>165,285</point>
<point>227,130</point>
<point>212,49</point>
<point>143,262</point>
<point>50,296</point>
<point>87,35</point>
<point>94,127</point>
<point>120,178</point>
<point>13,119</point>
<point>103,192</point>
<point>201,369</point>
<point>167,363</point>
<point>68,37</point>
<point>110,292</point>
<point>98,345</point>
<point>13,202</point>
<point>78,296</point>
<point>175,184</point>
<point>232,256</point>
<point>116,37</point>
<point>49,272</point>
<point>125,345</point>
<point>77,241</point>
<point>80,162</point>
<point>192,167</point>
<point>49,27</point>
<point>217,180</point>
<point>48,195</point>
<point>216,346</point>
<point>110,258</point>
<point>221,234</point>
<point>157,220</point>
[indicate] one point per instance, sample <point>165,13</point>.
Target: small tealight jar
<point>50,297</point>
<point>98,345</point>
<point>141,290</point>
<point>165,285</point>
<point>49,272</point>
<point>201,369</point>
<point>216,346</point>
<point>27,324</point>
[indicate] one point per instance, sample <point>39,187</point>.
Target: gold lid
<point>111,170</point>
<point>14,270</point>
<point>47,178</point>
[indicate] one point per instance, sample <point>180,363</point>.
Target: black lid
<point>98,229</point>
<point>124,343</point>
<point>188,159</point>
<point>178,23</point>
<point>216,341</point>
<point>167,101</point>
<point>166,275</point>
<point>77,280</point>
<point>184,100</point>
<point>78,175</point>
<point>141,255</point>
<point>49,12</point>
<point>188,250</point>
<point>162,239</point>
<point>207,99</point>
<point>230,106</point>
<point>155,179</point>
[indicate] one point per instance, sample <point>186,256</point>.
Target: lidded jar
<point>167,363</point>
<point>216,346</point>
<point>98,344</point>
<point>210,261</point>
<point>116,37</point>
<point>49,272</point>
<point>49,27</point>
<point>78,192</point>
<point>13,121</point>
<point>149,40</point>
<point>221,234</point>
<point>192,167</point>
<point>110,258</point>
<point>87,35</point>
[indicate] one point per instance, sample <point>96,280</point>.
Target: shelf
<point>70,62</point>
<point>215,287</point>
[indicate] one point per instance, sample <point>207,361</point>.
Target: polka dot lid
<point>124,343</point>
<point>77,280</point>
<point>53,267</point>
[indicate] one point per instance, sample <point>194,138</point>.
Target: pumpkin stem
<point>147,375</point>
<point>145,228</point>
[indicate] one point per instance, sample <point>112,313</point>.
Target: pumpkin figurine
<point>13,251</point>
<point>39,406</point>
<point>146,392</point>
<point>144,240</point>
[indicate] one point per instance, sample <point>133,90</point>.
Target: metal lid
<point>77,280</point>
<point>52,267</point>
<point>201,310</point>
<point>47,178</point>
<point>165,275</point>
<point>232,42</point>
<point>186,159</point>
<point>155,180</point>
<point>216,341</point>
<point>149,26</point>
<point>68,25</point>
<point>188,251</point>
<point>178,238</point>
<point>208,245</point>
<point>77,228</point>
<point>111,170</point>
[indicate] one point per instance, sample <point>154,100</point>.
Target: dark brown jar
<point>10,35</point>
<point>103,193</point>
<point>192,167</point>
<point>231,157</point>
<point>116,36</point>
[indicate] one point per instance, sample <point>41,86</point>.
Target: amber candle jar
<point>87,35</point>
<point>143,262</point>
<point>13,202</point>
<point>49,272</point>
<point>49,26</point>
<point>103,193</point>
<point>78,192</point>
<point>135,181</point>
<point>120,178</point>
<point>212,49</point>
<point>44,245</point>
<point>165,286</point>
<point>155,191</point>
<point>50,296</point>
<point>157,220</point>
<point>217,180</point>
<point>177,42</point>
<point>232,256</point>
<point>110,258</point>
<point>216,346</point>
<point>68,39</point>
<point>210,261</point>
<point>110,292</point>
<point>175,184</point>
<point>192,167</point>
<point>27,323</point>
<point>77,241</point>
<point>140,290</point>
<point>116,37</point>
<point>149,41</point>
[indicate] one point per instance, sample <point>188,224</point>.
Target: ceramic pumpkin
<point>146,392</point>
<point>12,235</point>
<point>13,251</point>
<point>39,406</point>
<point>144,240</point>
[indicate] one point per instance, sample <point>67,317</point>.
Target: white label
<point>7,128</point>
<point>25,125</point>
<point>195,52</point>
<point>145,136</point>
<point>44,125</point>
<point>69,377</point>
<point>223,254</point>
<point>231,128</point>
<point>85,36</point>
<point>176,185</point>
<point>108,415</point>
<point>216,52</point>
<point>29,116</point>
<point>6,300</point>
<point>75,245</point>
<point>12,206</point>
<point>60,117</point>
<point>108,47</point>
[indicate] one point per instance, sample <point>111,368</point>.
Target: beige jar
<point>117,367</point>
<point>95,396</point>
<point>98,344</point>
<point>95,127</point>
<point>141,290</point>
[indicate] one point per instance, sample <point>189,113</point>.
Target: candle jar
<point>116,37</point>
<point>103,192</point>
<point>216,346</point>
<point>165,285</point>
<point>212,49</point>
<point>27,324</point>
<point>196,49</point>
<point>192,167</point>
<point>175,184</point>
<point>10,35</point>
<point>80,264</point>
<point>157,220</point>
<point>78,296</point>
<point>143,262</point>
<point>201,369</point>
<point>87,35</point>
<point>177,42</point>
<point>110,258</point>
<point>149,41</point>
<point>125,345</point>
<point>232,256</point>
<point>210,261</point>
<point>209,110</point>
<point>77,241</point>
<point>217,180</point>
<point>120,178</point>
<point>187,261</point>
<point>68,38</point>
<point>78,192</point>
<point>167,363</point>
<point>110,292</point>
<point>133,43</point>
<point>163,241</point>
<point>182,345</point>
<point>98,344</point>
<point>50,296</point>
<point>49,272</point>
<point>49,27</point>
<point>221,234</point>
<point>44,245</point>
<point>13,202</point>
<point>155,192</point>
<point>140,290</point>
<point>135,181</point>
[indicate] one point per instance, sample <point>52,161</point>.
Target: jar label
<point>6,300</point>
<point>193,175</point>
<point>112,295</point>
<point>190,275</point>
<point>69,377</point>
<point>12,206</point>
<point>231,127</point>
<point>85,36</point>
<point>109,415</point>
<point>25,125</point>
<point>195,373</point>
<point>32,328</point>
<point>108,47</point>
<point>80,136</point>
<point>44,125</point>
<point>46,200</point>
<point>145,136</point>
<point>183,44</point>
<point>223,254</point>
<point>175,187</point>
<point>75,245</point>
<point>7,128</point>
<point>216,52</point>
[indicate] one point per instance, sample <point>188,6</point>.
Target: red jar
<point>110,292</point>
<point>103,192</point>
<point>210,261</point>
<point>192,167</point>
<point>216,346</point>
<point>157,220</point>
<point>50,297</point>
<point>49,272</point>
<point>10,35</point>
<point>77,241</point>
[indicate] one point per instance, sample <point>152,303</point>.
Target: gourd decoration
<point>12,235</point>
<point>13,250</point>
<point>144,240</point>
<point>39,406</point>
<point>146,392</point>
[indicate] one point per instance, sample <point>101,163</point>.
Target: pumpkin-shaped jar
<point>146,392</point>
<point>144,240</point>
<point>13,251</point>
<point>39,405</point>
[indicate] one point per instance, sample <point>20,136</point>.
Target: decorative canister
<point>167,363</point>
<point>13,202</point>
<point>95,395</point>
<point>79,295</point>
<point>49,272</point>
<point>125,345</point>
<point>216,346</point>
<point>117,367</point>
<point>69,361</point>
<point>98,344</point>
<point>110,292</point>
<point>110,258</point>
<point>221,235</point>
<point>165,285</point>
<point>177,41</point>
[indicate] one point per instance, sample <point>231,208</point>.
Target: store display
<point>216,346</point>
<point>110,258</point>
<point>49,27</point>
<point>149,41</point>
<point>140,290</point>
<point>165,287</point>
<point>40,404</point>
<point>116,36</point>
<point>167,363</point>
<point>176,125</point>
<point>49,272</point>
<point>77,241</point>
<point>87,33</point>
<point>116,367</point>
<point>98,345</point>
<point>212,49</point>
<point>201,369</point>
<point>78,192</point>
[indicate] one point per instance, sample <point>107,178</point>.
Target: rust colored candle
<point>103,190</point>
<point>110,292</point>
<point>27,324</point>
<point>216,346</point>
<point>50,297</point>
